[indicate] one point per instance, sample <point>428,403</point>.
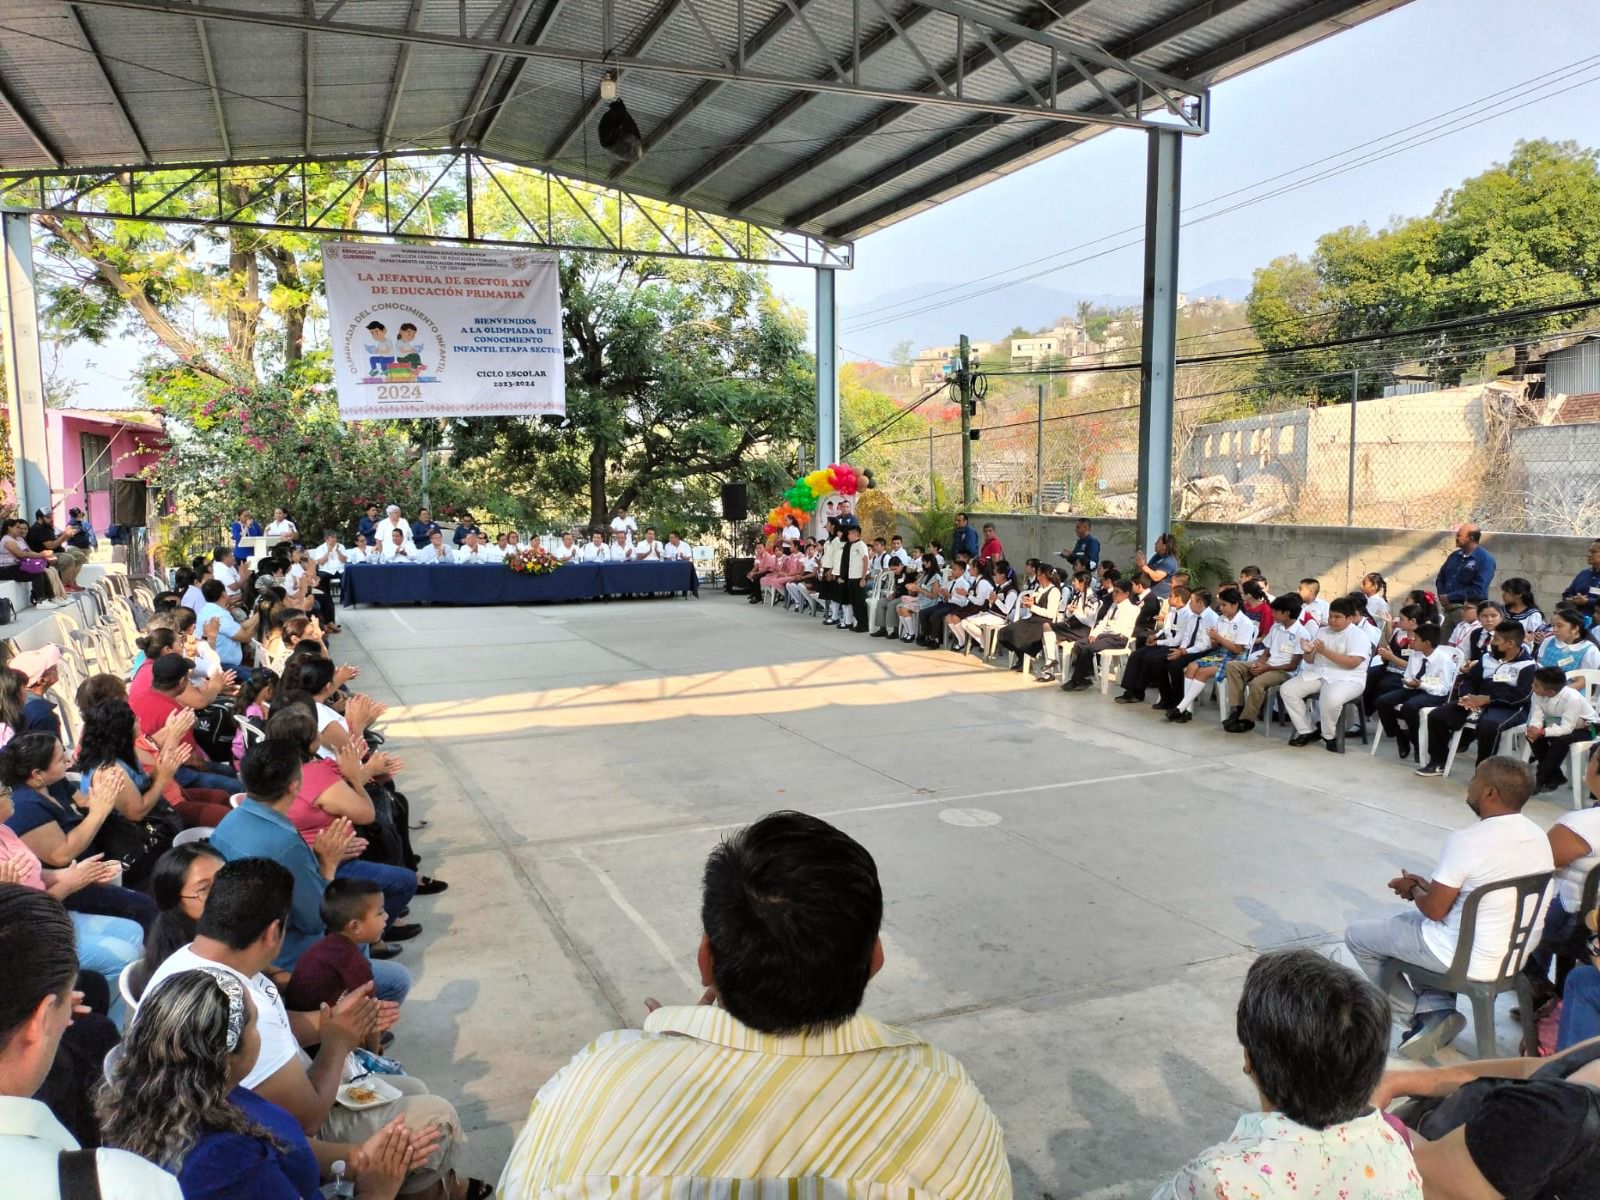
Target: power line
<point>1501,98</point>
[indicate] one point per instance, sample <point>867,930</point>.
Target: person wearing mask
<point>37,1003</point>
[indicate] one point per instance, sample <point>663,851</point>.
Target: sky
<point>1429,57</point>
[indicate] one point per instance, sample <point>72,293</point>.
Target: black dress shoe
<point>1240,726</point>
<point>879,633</point>
<point>1163,706</point>
<point>1331,745</point>
<point>428,886</point>
<point>401,933</point>
<point>384,950</point>
<point>1304,739</point>
<point>1126,699</point>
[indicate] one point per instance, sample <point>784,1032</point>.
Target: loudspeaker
<point>128,502</point>
<point>735,503</point>
<point>736,574</point>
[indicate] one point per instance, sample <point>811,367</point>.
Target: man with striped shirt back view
<point>774,1086</point>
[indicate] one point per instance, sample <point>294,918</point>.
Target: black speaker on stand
<point>128,502</point>
<point>735,502</point>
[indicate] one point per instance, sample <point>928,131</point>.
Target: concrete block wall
<point>1337,556</point>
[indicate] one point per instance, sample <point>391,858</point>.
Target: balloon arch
<point>803,496</point>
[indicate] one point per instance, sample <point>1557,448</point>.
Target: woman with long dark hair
<point>174,1098</point>
<point>107,743</point>
<point>179,885</point>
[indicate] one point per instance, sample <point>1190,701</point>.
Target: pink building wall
<point>132,449</point>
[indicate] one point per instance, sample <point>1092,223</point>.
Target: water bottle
<point>343,1189</point>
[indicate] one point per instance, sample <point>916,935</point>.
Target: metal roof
<point>830,117</point>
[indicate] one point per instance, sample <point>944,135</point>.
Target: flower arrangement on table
<point>535,560</point>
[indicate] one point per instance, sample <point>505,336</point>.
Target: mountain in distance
<point>984,318</point>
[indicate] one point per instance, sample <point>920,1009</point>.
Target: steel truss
<point>1154,99</point>
<point>609,214</point>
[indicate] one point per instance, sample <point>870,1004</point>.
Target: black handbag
<point>138,844</point>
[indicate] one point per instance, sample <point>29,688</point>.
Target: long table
<point>449,583</point>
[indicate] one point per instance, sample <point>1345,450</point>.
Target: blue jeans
<point>105,946</point>
<point>188,777</point>
<point>391,980</point>
<point>1580,1007</point>
<point>399,884</point>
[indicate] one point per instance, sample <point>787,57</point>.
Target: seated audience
<point>179,886</point>
<point>36,1009</point>
<point>1495,694</point>
<point>791,911</point>
<point>232,635</point>
<point>1183,635</point>
<point>1502,844</point>
<point>995,605</point>
<point>1315,1038</point>
<point>1567,645</point>
<point>41,669</point>
<point>106,744</point>
<point>1311,605</point>
<point>1112,631</point>
<point>1041,604</point>
<point>241,931</point>
<point>1231,637</point>
<point>253,703</point>
<point>21,563</point>
<point>1507,1127</point>
<point>1429,675</point>
<point>176,1097</point>
<point>1520,606</point>
<point>1250,678</point>
<point>352,913</point>
<point>1375,590</point>
<point>1334,670</point>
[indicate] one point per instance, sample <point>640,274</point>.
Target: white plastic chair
<point>125,989</point>
<point>1111,664</point>
<point>197,834</point>
<point>234,801</point>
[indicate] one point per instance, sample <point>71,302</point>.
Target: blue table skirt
<point>447,583</point>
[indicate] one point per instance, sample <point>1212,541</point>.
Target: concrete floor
<point>1074,889</point>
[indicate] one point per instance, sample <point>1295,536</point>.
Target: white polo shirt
<point>1486,852</point>
<point>31,1139</point>
<point>644,550</point>
<point>673,551</point>
<point>566,553</point>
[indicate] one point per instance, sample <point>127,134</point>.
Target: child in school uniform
<point>1231,637</point>
<point>1429,675</point>
<point>1566,646</point>
<point>1312,608</point>
<point>1376,591</point>
<point>1467,626</point>
<point>1335,671</point>
<point>1559,718</point>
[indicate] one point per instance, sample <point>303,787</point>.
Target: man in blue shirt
<point>423,528</point>
<point>1584,590</point>
<point>1085,554</point>
<point>368,525</point>
<point>465,526</point>
<point>964,540</point>
<point>260,828</point>
<point>231,635</point>
<point>1468,572</point>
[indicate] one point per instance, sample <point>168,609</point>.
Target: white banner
<point>444,331</point>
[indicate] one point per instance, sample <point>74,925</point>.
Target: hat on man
<point>34,665</point>
<point>169,669</point>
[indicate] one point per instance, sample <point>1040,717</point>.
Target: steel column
<point>19,329</point>
<point>827,325</point>
<point>1159,351</point>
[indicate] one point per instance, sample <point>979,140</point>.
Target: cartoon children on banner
<point>393,362</point>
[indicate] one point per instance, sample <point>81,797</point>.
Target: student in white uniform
<point>1558,718</point>
<point>1376,590</point>
<point>1231,637</point>
<point>568,551</point>
<point>1335,671</point>
<point>676,549</point>
<point>1310,603</point>
<point>399,547</point>
<point>1271,666</point>
<point>362,551</point>
<point>647,548</point>
<point>624,524</point>
<point>994,606</point>
<point>435,551</point>
<point>473,552</point>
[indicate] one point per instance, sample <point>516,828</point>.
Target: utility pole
<point>1038,458</point>
<point>964,380</point>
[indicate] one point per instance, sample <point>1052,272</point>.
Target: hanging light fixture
<point>619,132</point>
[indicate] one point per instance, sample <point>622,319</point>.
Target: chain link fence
<point>1057,443</point>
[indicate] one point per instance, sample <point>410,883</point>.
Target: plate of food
<point>367,1092</point>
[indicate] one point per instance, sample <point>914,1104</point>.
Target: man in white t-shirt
<point>397,547</point>
<point>1502,844</point>
<point>435,551</point>
<point>676,549</point>
<point>568,551</point>
<point>225,570</point>
<point>596,551</point>
<point>241,931</point>
<point>647,548</point>
<point>624,524</point>
<point>620,549</point>
<point>36,999</point>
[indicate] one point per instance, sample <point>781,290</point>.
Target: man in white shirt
<point>398,548</point>
<point>474,551</point>
<point>1110,632</point>
<point>620,549</point>
<point>242,933</point>
<point>363,551</point>
<point>624,524</point>
<point>329,557</point>
<point>435,551</point>
<point>386,527</point>
<point>37,945</point>
<point>676,549</point>
<point>568,551</point>
<point>225,570</point>
<point>1503,844</point>
<point>597,551</point>
<point>1277,658</point>
<point>647,549</point>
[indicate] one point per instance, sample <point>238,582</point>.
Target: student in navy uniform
<point>1499,691</point>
